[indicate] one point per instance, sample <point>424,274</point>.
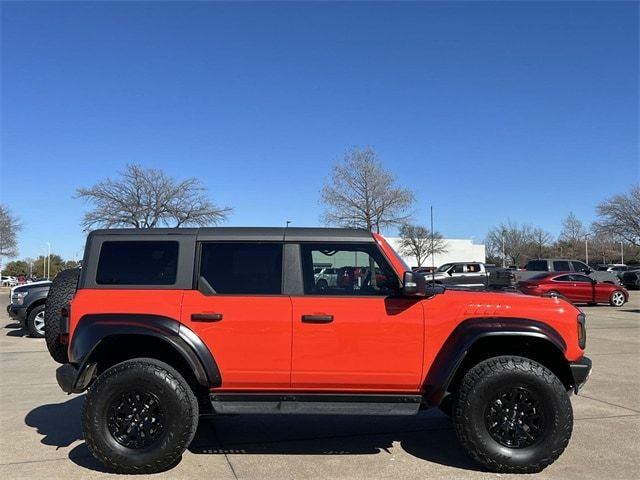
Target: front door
<point>239,312</point>
<point>358,334</point>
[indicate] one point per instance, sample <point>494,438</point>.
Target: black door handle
<point>317,318</point>
<point>206,317</point>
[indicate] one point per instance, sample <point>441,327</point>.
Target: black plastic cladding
<point>93,329</point>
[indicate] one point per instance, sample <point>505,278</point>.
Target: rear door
<point>357,335</point>
<point>241,314</point>
<point>474,275</point>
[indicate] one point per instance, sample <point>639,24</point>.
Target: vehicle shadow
<point>58,423</point>
<point>428,436</point>
<point>18,333</point>
<point>13,325</point>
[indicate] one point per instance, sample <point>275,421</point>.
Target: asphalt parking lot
<point>41,435</point>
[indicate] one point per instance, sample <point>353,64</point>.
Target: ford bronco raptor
<point>162,326</point>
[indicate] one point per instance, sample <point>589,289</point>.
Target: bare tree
<point>572,236</point>
<point>416,241</point>
<point>540,242</point>
<point>360,193</point>
<point>510,242</point>
<point>620,216</point>
<point>9,227</point>
<point>149,198</point>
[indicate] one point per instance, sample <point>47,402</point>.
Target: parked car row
<point>571,279</point>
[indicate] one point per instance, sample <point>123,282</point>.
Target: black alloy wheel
<point>514,418</point>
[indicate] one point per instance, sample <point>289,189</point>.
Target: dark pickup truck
<point>27,306</point>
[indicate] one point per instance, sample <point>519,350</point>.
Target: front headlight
<point>18,298</point>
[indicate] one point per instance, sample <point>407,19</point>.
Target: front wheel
<point>617,299</point>
<point>139,416</point>
<point>512,415</point>
<point>35,322</point>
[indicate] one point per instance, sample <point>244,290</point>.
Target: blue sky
<point>488,111</point>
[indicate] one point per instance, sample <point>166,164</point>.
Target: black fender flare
<point>470,331</point>
<point>93,329</point>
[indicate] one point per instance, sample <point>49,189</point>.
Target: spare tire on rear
<point>60,294</point>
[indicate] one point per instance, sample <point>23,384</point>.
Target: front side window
<point>580,267</point>
<point>137,263</point>
<point>242,268</point>
<point>358,270</point>
<point>459,268</point>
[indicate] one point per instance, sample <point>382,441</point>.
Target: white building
<point>458,250</point>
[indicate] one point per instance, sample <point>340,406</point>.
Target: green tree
<point>16,268</point>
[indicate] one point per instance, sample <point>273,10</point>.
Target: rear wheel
<point>617,299</point>
<point>35,322</point>
<point>139,416</point>
<point>512,415</point>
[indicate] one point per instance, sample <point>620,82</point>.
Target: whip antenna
<point>433,262</point>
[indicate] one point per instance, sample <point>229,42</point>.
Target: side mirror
<point>587,270</point>
<point>414,285</point>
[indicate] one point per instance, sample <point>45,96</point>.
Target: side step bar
<point>315,404</point>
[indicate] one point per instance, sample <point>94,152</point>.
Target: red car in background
<point>576,287</point>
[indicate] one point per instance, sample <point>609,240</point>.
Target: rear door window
<point>242,268</point>
<point>538,265</point>
<point>137,263</point>
<point>561,266</point>
<point>564,278</point>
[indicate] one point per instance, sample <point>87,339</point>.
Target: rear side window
<point>561,266</point>
<point>242,268</point>
<point>137,263</point>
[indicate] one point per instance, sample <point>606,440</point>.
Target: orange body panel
<point>252,342</point>
<point>153,302</point>
<point>373,343</point>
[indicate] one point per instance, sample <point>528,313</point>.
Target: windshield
<point>444,268</point>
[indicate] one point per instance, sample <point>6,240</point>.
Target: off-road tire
<point>180,413</point>
<point>62,289</point>
<point>31,322</point>
<point>478,388</point>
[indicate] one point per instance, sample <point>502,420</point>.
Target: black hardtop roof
<point>296,234</point>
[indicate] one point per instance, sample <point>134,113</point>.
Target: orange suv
<point>164,325</point>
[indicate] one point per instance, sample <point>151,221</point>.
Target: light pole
<point>586,248</point>
<point>48,267</point>
<point>503,257</point>
<point>621,252</point>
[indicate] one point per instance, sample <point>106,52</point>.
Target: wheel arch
<point>106,339</point>
<point>34,304</point>
<point>477,339</point>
